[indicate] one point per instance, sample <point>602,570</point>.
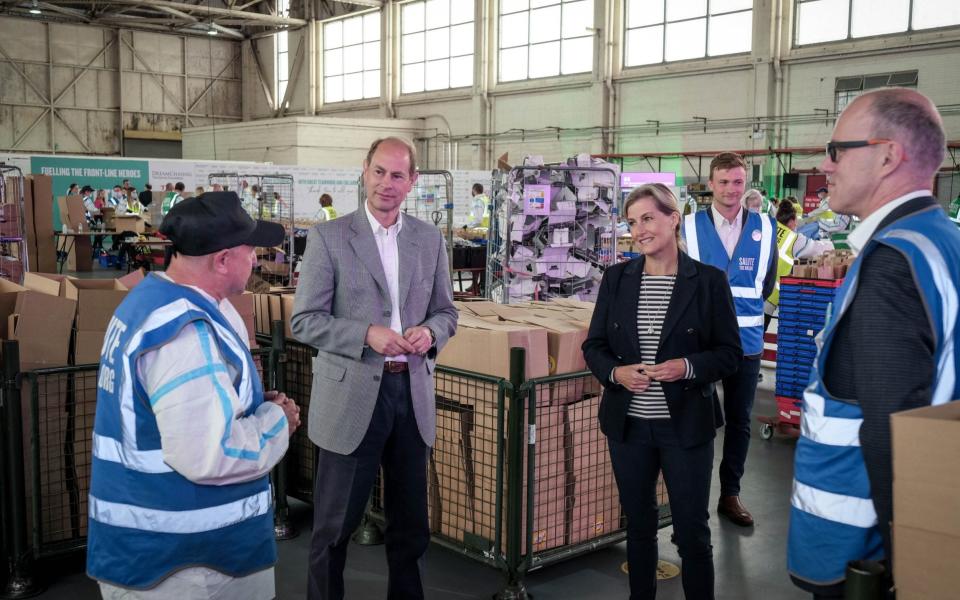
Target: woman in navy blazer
<point>690,343</point>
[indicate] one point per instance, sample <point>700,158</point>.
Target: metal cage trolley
<point>270,198</point>
<point>14,261</point>
<point>553,231</point>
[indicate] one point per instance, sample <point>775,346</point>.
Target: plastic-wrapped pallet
<point>553,229</point>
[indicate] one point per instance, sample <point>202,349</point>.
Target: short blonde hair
<point>663,199</point>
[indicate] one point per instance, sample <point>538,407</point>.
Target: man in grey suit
<point>375,299</point>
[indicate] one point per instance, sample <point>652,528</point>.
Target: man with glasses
<point>375,299</point>
<point>883,349</point>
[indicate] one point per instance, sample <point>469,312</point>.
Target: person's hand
<point>290,409</point>
<point>420,338</point>
<point>632,377</point>
<point>671,370</point>
<point>388,342</point>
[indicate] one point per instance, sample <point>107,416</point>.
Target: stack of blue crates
<point>803,313</point>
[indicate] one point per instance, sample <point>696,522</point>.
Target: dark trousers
<point>649,446</point>
<point>738,392</point>
<point>343,486</point>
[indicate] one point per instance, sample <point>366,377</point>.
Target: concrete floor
<point>750,563</point>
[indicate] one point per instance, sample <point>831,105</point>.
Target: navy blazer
<point>700,325</point>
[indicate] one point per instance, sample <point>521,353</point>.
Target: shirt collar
<point>859,237</point>
<point>718,218</point>
<point>377,227</point>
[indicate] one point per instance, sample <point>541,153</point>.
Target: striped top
<point>655,292</point>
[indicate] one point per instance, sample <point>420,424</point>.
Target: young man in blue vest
<point>184,434</point>
<point>744,245</point>
<point>890,343</point>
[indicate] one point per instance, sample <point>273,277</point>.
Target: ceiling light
<point>34,9</point>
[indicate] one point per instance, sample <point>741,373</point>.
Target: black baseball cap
<point>215,221</point>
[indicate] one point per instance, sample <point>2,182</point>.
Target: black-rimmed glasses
<point>833,146</point>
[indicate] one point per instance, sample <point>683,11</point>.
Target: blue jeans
<point>651,446</point>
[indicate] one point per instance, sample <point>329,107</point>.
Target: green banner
<point>98,173</point>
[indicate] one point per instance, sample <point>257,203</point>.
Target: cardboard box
<point>131,279</point>
<point>484,347</point>
<point>46,283</point>
<point>96,299</point>
<point>40,322</point>
<point>132,223</point>
<point>41,197</point>
<point>926,484</point>
<point>244,303</point>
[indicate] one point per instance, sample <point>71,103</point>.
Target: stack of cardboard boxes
<point>574,494</point>
<point>829,265</point>
<point>37,216</point>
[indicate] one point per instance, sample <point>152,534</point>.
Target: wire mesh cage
<point>13,249</point>
<point>270,198</point>
<point>552,230</point>
<point>430,200</point>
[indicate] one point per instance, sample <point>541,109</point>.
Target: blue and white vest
<point>832,517</point>
<point>746,270</point>
<point>147,520</point>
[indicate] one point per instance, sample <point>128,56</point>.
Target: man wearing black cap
<point>184,435</point>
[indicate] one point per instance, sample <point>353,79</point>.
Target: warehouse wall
<point>76,88</point>
<point>318,141</point>
<point>651,109</point>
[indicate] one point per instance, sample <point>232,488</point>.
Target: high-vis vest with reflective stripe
<point>169,201</point>
<point>832,517</point>
<point>330,212</point>
<point>786,238</point>
<point>147,520</point>
<point>745,271</point>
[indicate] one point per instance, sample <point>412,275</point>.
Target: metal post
<point>516,443</point>
<point>20,583</point>
<point>283,528</point>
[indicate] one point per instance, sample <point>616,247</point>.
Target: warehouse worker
<point>375,299</point>
<point>173,198</point>
<point>753,201</point>
<point>479,207</point>
<point>743,245</point>
<point>184,434</point>
<point>826,220</point>
<point>791,245</point>
<point>954,211</point>
<point>327,212</point>
<point>886,148</point>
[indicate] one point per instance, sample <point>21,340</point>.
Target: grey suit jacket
<point>342,291</point>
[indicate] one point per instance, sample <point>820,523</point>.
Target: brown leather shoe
<point>733,509</point>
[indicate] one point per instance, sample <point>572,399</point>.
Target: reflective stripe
<point>946,366</point>
<point>144,461</point>
<point>856,512</point>
<point>745,292</point>
<point>750,321</point>
<point>786,251</point>
<point>690,232</point>
<point>766,239</point>
<point>832,431</point>
<point>179,521</point>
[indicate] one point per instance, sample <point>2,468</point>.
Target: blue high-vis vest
<point>832,516</point>
<point>146,520</point>
<point>746,270</point>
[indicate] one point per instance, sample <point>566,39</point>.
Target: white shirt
<point>729,231</point>
<point>390,259</point>
<point>192,423</point>
<point>862,234</point>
